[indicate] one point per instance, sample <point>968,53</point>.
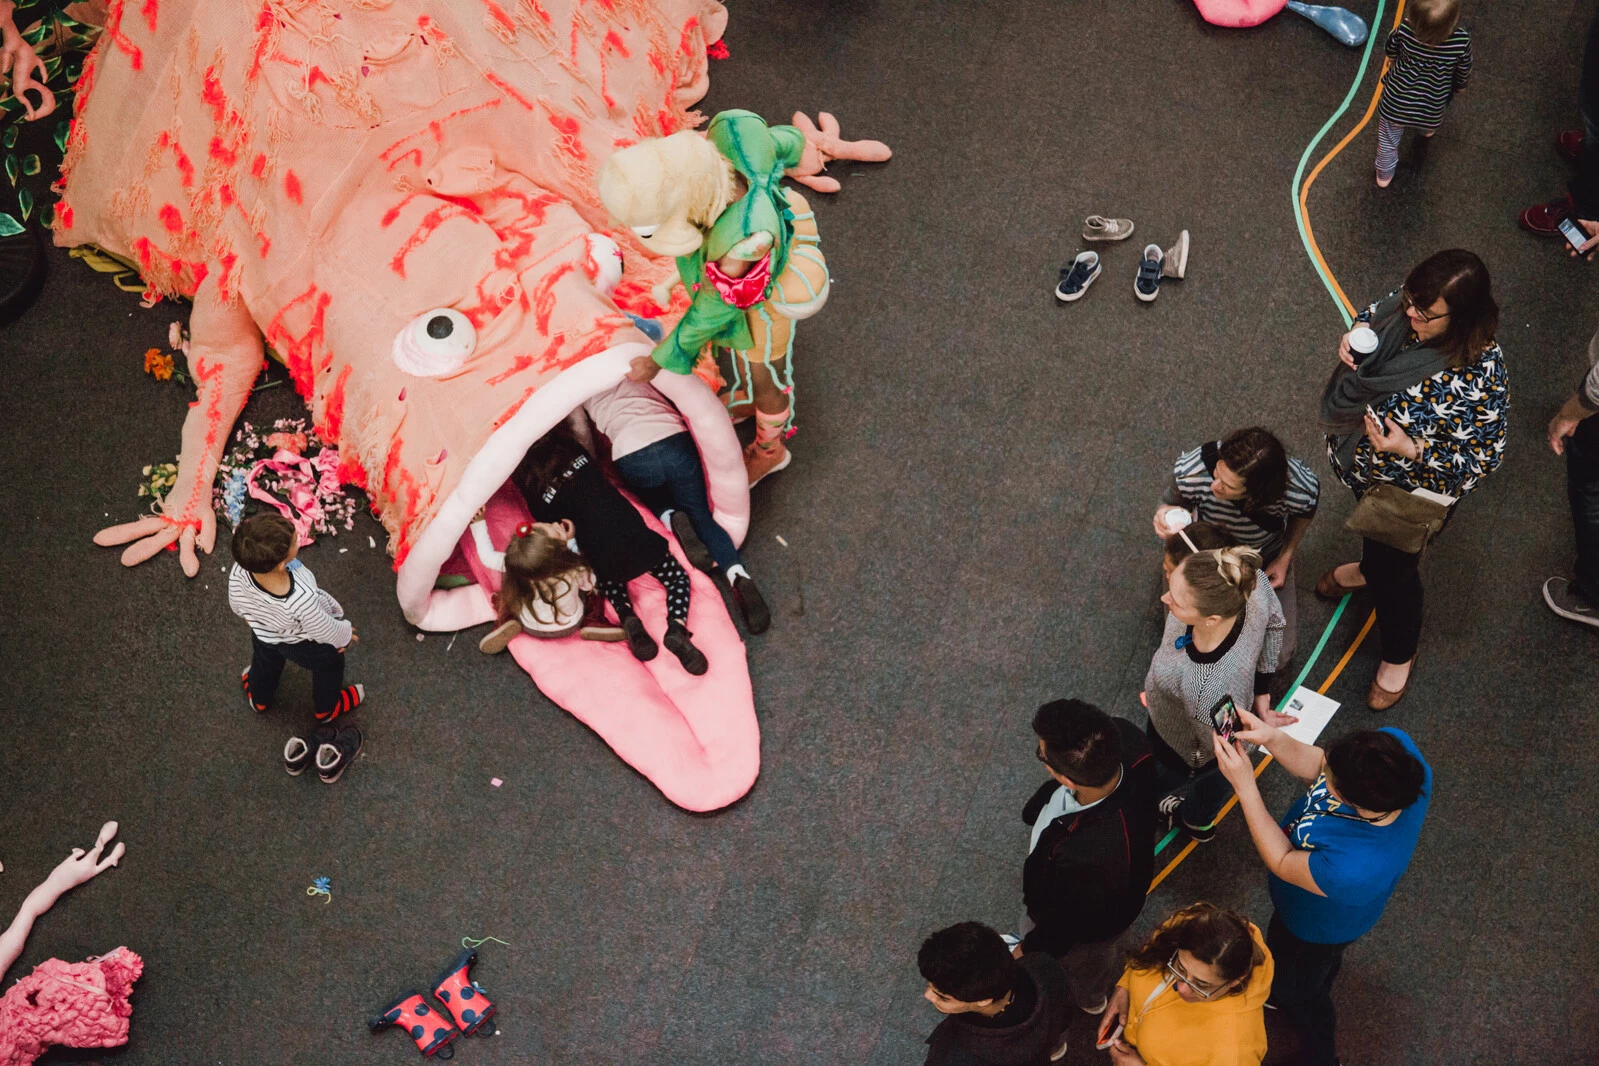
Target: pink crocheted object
<point>73,1004</point>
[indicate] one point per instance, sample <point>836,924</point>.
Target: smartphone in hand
<point>1109,1038</point>
<point>1224,718</point>
<point>1574,234</point>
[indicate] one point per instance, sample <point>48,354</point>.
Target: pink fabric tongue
<point>695,738</point>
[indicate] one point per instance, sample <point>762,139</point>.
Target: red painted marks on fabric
<point>258,165</point>
<point>435,128</point>
<point>568,132</point>
<point>212,93</point>
<point>64,215</point>
<point>685,43</point>
<point>170,218</point>
<point>113,29</point>
<point>666,120</point>
<point>350,471</point>
<point>168,140</point>
<point>266,25</point>
<point>544,297</point>
<point>298,351</point>
<point>510,412</point>
<point>333,408</point>
<point>540,12</point>
<point>430,222</point>
<point>225,279</point>
<point>498,22</point>
<point>504,87</point>
<point>291,187</point>
<point>222,153</point>
<point>149,13</point>
<point>718,50</point>
<point>657,62</point>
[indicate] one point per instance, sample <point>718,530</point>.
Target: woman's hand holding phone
<point>1114,1019</point>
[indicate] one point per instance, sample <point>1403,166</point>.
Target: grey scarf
<point>1395,366</point>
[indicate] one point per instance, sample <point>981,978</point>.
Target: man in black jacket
<point>999,1012</point>
<point>1092,851</point>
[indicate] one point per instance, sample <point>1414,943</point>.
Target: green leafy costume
<point>760,153</point>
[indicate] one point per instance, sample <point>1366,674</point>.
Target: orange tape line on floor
<point>1304,190</point>
<point>1233,800</point>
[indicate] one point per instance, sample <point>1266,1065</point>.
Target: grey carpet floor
<point>966,527</point>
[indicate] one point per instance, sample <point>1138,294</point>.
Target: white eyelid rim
<point>645,232</point>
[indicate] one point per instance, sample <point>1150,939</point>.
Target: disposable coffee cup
<point>1178,519</point>
<point>1362,342</point>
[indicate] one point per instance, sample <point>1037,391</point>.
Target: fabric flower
<point>157,364</point>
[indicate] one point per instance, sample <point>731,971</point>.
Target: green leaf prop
<point>9,138</point>
<point>11,168</point>
<point>30,165</point>
<point>62,129</point>
<point>9,227</point>
<point>25,201</point>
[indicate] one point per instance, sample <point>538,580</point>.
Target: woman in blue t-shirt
<point>1335,857</point>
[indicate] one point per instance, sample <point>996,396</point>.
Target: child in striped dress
<point>1430,61</point>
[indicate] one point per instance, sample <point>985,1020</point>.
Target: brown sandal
<point>1328,587</point>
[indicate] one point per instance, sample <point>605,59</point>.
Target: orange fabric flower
<point>158,364</point>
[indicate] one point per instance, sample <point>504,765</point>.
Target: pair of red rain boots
<point>434,1032</point>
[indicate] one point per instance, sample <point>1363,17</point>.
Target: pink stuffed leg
<point>73,871</point>
<point>224,359</point>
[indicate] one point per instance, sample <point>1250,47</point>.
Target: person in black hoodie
<point>1091,858</point>
<point>1000,1011</point>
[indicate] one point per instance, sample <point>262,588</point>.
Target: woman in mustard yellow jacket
<point>1193,995</point>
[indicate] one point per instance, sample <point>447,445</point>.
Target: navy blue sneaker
<point>1146,286</point>
<point>1075,279</point>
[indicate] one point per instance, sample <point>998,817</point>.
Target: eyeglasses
<point>1176,971</point>
<point>1422,313</point>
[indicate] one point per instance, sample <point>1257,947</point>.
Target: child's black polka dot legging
<point>671,577</point>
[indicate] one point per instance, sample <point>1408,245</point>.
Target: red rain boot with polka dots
<point>432,1031</point>
<point>464,997</point>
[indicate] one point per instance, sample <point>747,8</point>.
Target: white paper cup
<point>1362,341</point>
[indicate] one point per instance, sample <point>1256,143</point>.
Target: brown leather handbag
<point>1390,515</point>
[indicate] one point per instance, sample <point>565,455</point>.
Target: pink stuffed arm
<point>824,145</point>
<point>224,359</point>
<point>72,871</point>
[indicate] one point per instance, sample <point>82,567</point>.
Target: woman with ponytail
<point>1223,640</point>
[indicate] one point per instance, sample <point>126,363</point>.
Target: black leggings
<point>671,577</point>
<point>1394,579</point>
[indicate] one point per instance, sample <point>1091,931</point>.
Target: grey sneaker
<point>1567,602</point>
<point>1060,1052</point>
<point>1176,264</point>
<point>335,757</point>
<point>1100,228</point>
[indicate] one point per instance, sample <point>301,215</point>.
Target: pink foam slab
<point>1238,13</point>
<point>695,738</point>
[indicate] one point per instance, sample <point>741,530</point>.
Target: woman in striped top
<point>1429,58</point>
<point>1246,485</point>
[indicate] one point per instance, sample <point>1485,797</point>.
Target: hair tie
<point>524,529</point>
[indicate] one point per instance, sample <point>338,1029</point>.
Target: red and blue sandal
<point>463,997</point>
<point>431,1030</point>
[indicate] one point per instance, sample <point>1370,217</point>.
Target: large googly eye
<point>646,232</point>
<point>435,343</point>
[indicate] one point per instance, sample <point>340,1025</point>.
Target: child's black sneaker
<point>757,618</point>
<point>1075,279</point>
<point>244,682</point>
<point>680,643</point>
<point>350,697</point>
<point>1199,836</point>
<point>639,642</point>
<point>332,759</point>
<point>296,756</point>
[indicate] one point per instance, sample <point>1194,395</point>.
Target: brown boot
<point>763,459</point>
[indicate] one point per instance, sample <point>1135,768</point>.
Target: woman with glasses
<point>1193,995</point>
<point>1425,410</point>
<point>1334,858</point>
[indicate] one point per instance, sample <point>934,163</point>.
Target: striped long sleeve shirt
<point>1423,77</point>
<point>1265,529</point>
<point>305,613</point>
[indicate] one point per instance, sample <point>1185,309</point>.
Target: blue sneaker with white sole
<point>1146,286</point>
<point>1075,279</point>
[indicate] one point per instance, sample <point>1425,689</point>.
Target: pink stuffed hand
<point>824,145</point>
<point>27,71</point>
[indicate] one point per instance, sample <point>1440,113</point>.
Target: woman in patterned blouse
<point>1439,386</point>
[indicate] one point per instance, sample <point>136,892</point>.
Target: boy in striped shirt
<point>1429,58</point>
<point>292,620</point>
